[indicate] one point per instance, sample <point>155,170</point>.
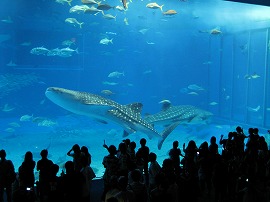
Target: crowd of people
<point>239,173</point>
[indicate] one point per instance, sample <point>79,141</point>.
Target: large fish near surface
<point>175,115</point>
<point>105,110</point>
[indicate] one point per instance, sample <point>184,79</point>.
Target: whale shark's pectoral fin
<point>166,132</point>
<point>128,131</point>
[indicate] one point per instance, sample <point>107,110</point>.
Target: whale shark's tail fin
<point>166,132</point>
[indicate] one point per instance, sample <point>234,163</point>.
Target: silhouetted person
<point>72,183</point>
<point>75,153</point>
<point>124,160</point>
<point>111,165</point>
<point>85,152</point>
<point>144,151</point>
<point>43,166</point>
<point>55,192</point>
<point>154,169</point>
<point>88,175</point>
<point>26,171</point>
<point>7,176</point>
<point>139,188</point>
<point>175,154</point>
<point>113,188</point>
<point>124,194</point>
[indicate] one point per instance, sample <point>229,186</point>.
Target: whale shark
<point>174,115</point>
<point>105,110</point>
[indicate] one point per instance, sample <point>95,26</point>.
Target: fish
<point>107,92</point>
<point>106,41</point>
<point>89,2</point>
<point>213,103</point>
<point>104,7</point>
<point>181,114</point>
<point>39,51</point>
<point>254,109</point>
<point>78,9</point>
<point>195,87</point>
<point>64,1</point>
<point>120,8</point>
<point>26,43</point>
<point>26,117</point>
<point>74,21</point>
<point>109,83</point>
<point>126,21</point>
<point>14,124</point>
<point>193,93</point>
<point>10,130</point>
<point>154,6</point>
<point>7,108</point>
<point>8,20</point>
<point>109,17</point>
<point>170,12</point>
<point>93,10</point>
<point>124,2</point>
<point>116,74</point>
<point>143,31</point>
<point>105,110</point>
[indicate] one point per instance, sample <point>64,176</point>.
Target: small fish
<point>78,9</point>
<point>147,71</point>
<point>116,74</point>
<point>10,130</point>
<point>215,31</point>
<point>109,83</point>
<point>109,17</point>
<point>107,92</point>
<point>64,1</point>
<point>112,33</point>
<point>193,93</point>
<point>14,125</point>
<point>143,31</point>
<point>255,76</point>
<point>254,109</point>
<point>213,103</point>
<point>126,21</point>
<point>154,6</point>
<point>26,117</point>
<point>104,7</point>
<point>106,41</point>
<point>89,2</point>
<point>150,43</point>
<point>165,101</point>
<point>8,20</point>
<point>7,108</point>
<point>26,43</point>
<point>195,87</point>
<point>169,12</point>
<point>93,10</point>
<point>120,8</point>
<point>69,42</point>
<point>74,21</point>
<point>124,2</point>
<point>39,51</point>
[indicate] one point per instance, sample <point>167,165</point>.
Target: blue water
<point>160,57</point>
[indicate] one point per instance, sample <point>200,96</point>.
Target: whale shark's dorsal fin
<point>166,105</point>
<point>136,107</point>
